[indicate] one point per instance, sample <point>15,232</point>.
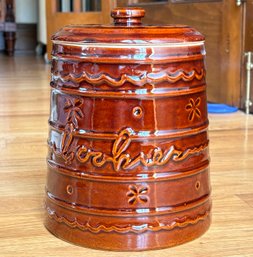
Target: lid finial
<point>127,15</point>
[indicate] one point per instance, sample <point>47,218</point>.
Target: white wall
<point>26,11</point>
<point>42,32</point>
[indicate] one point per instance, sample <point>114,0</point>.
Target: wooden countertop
<point>24,109</point>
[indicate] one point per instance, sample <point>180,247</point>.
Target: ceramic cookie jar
<point>128,163</point>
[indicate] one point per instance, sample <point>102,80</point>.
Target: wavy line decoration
<point>86,226</point>
<point>138,80</point>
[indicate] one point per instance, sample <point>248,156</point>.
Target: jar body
<point>128,164</point>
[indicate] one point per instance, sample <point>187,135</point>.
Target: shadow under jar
<point>128,163</point>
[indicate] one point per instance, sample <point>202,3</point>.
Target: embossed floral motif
<point>137,194</point>
<point>74,113</point>
<point>72,107</point>
<point>193,108</point>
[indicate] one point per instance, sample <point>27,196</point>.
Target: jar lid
<point>128,29</point>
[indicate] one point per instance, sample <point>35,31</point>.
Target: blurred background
<point>27,25</point>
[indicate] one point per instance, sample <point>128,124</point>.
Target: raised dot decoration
<point>137,112</point>
<point>197,185</point>
<point>69,189</point>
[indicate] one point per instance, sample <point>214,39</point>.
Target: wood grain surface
<point>24,109</point>
<point>221,22</point>
<point>56,19</point>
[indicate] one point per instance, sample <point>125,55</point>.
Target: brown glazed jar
<point>128,163</point>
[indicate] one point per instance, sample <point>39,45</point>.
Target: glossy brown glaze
<point>128,164</point>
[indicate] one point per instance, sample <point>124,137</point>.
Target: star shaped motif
<point>137,194</point>
<point>193,108</point>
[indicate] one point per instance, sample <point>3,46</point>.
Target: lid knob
<point>127,16</point>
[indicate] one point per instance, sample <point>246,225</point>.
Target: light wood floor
<point>24,108</point>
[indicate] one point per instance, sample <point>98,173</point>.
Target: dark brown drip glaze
<point>128,162</point>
